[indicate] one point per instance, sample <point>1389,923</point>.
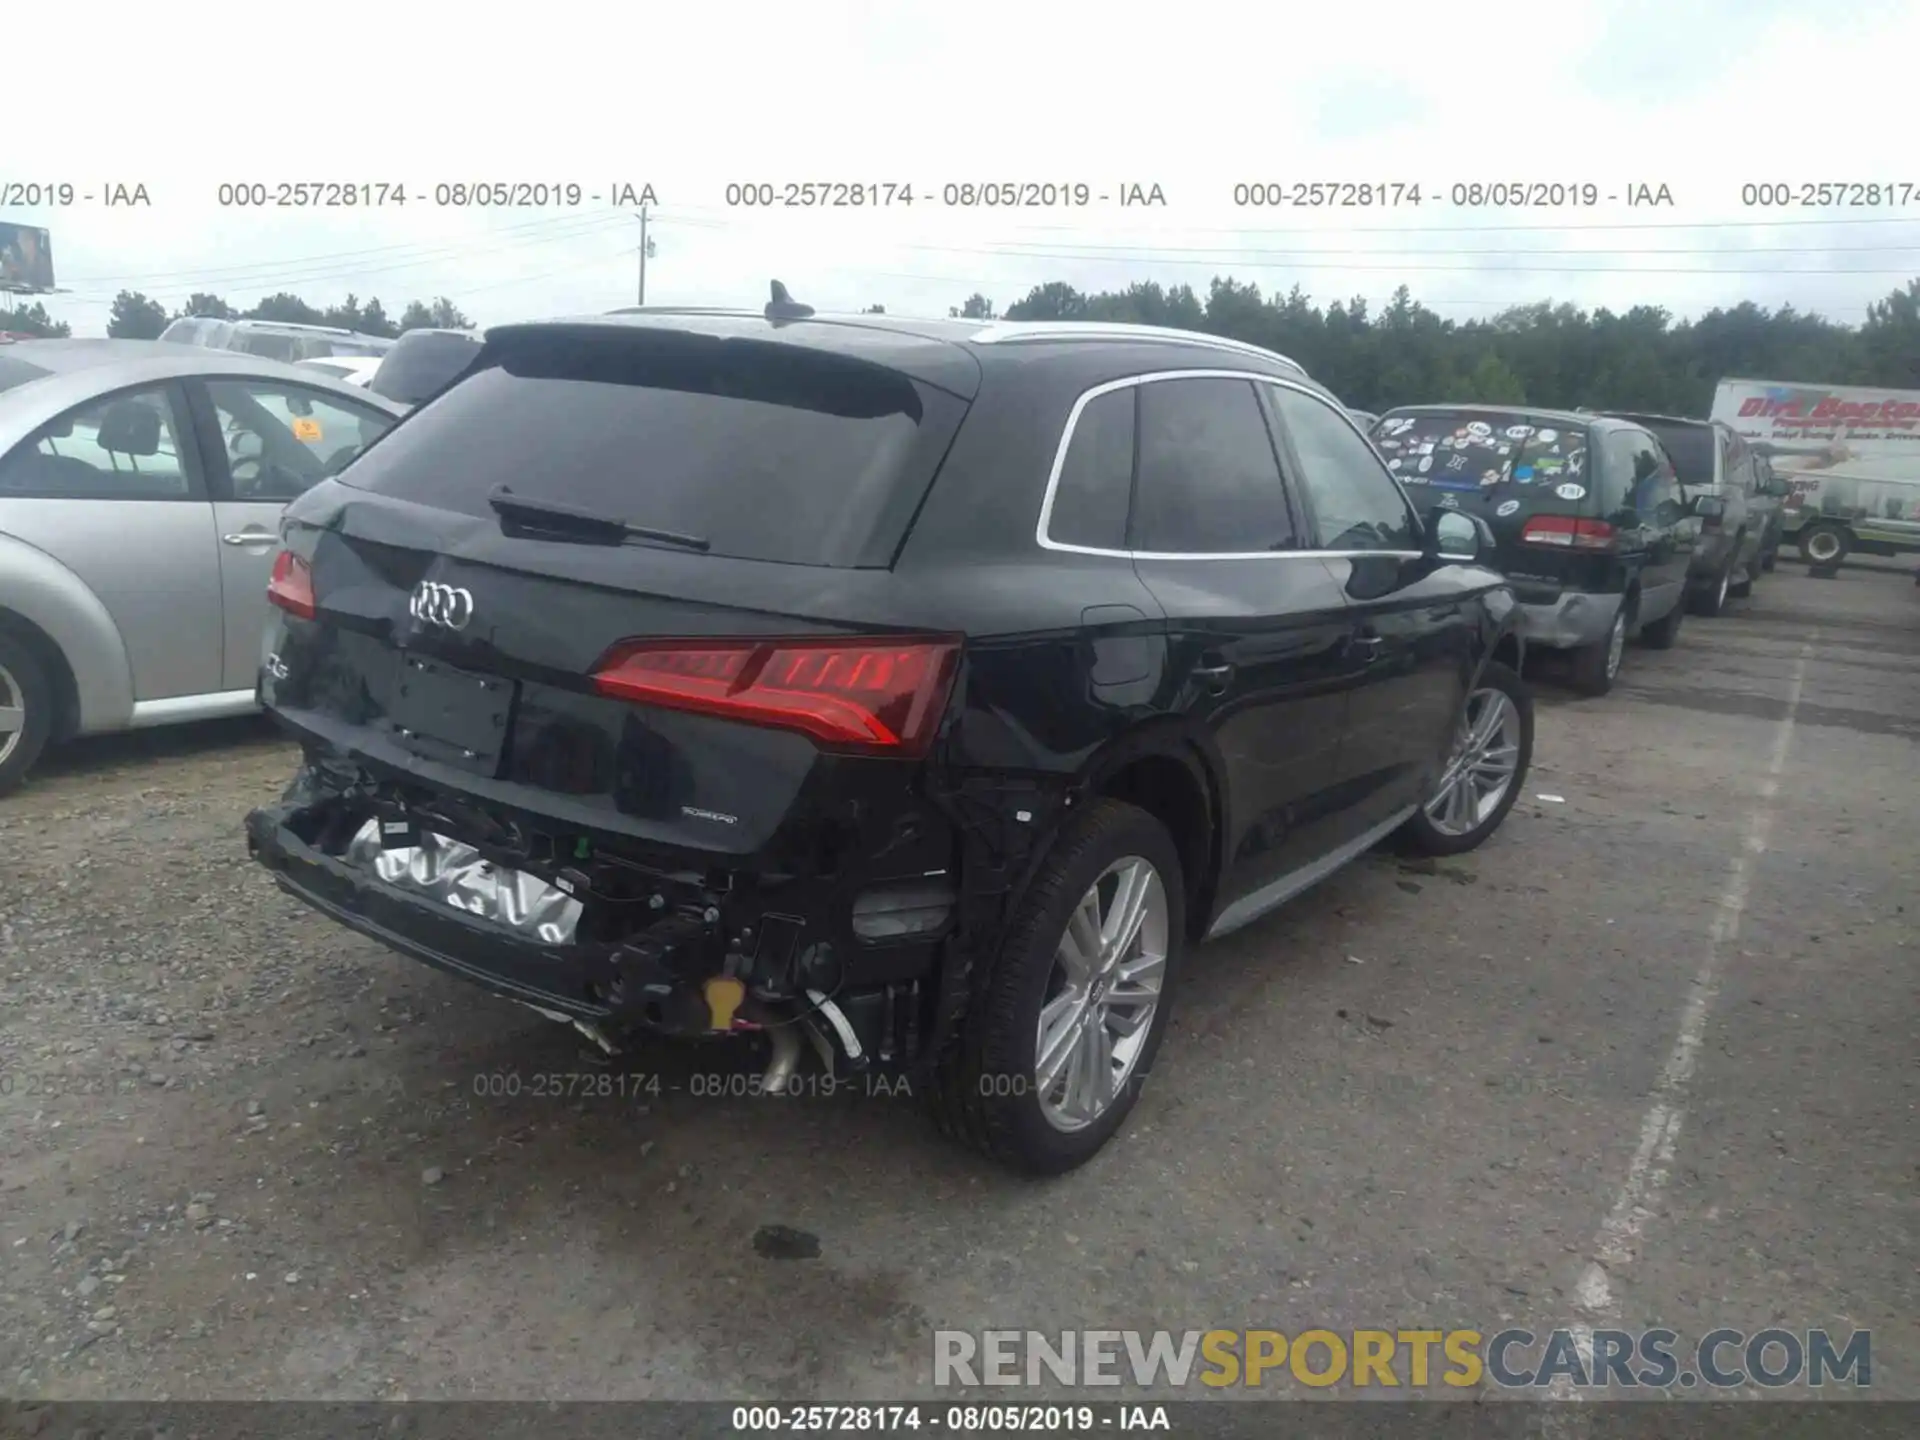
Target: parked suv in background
<point>1714,461</point>
<point>1587,518</point>
<point>921,688</point>
<point>274,339</point>
<point>424,362</point>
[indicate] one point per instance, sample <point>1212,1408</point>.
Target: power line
<point>214,281</point>
<point>1103,216</point>
<point>327,258</point>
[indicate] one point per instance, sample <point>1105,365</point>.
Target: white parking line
<point>1614,1245</point>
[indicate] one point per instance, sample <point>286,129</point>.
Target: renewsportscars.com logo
<point>1404,1359</point>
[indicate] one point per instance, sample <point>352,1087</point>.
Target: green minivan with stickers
<point>1590,526</point>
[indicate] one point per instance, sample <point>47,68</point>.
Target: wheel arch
<point>1161,769</point>
<point>52,609</point>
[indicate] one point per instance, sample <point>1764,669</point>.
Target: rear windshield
<point>765,451</point>
<point>1495,461</point>
<point>17,372</point>
<point>1691,448</point>
<point>422,365</point>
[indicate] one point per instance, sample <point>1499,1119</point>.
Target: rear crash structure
<point>870,973</point>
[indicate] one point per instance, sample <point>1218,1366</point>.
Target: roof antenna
<point>783,307</point>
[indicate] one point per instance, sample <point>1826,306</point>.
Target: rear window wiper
<point>554,520</point>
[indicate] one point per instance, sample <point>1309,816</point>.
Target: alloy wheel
<point>1823,546</point>
<point>1102,996</point>
<point>1485,757</point>
<point>13,714</point>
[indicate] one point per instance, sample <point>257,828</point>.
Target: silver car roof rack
<point>1005,332</point>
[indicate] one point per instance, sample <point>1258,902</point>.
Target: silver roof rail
<point>1004,332</point>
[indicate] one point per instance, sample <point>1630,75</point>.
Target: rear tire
<point>26,711</point>
<point>1426,834</point>
<point>1770,559</point>
<point>1711,599</point>
<point>1825,545</point>
<point>1597,666</point>
<point>987,1093</point>
<point>1661,634</point>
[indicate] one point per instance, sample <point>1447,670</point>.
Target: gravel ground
<point>1648,1057</point>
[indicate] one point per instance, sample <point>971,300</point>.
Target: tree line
<point>137,317</point>
<point>1547,354</point>
<point>1544,353</point>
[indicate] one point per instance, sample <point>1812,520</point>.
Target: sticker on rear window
<point>1547,437</point>
<point>1507,507</point>
<point>1489,478</point>
<point>1426,464</point>
<point>1570,491</point>
<point>1519,432</point>
<point>1479,429</point>
<point>305,429</point>
<point>1523,474</point>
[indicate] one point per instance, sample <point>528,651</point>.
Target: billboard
<point>1850,451</point>
<point>26,259</point>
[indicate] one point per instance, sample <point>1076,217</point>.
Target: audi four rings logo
<point>447,605</point>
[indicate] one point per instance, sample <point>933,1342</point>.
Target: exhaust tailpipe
<point>785,1035</point>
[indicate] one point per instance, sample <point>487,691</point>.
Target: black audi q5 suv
<point>920,689</point>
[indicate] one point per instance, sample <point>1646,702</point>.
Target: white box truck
<point>1851,454</point>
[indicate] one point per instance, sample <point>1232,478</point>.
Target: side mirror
<point>1459,536</point>
<point>1710,508</point>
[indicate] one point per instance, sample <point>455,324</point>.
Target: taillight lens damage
<point>291,585</point>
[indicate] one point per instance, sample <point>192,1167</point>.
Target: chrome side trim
<point>177,709</point>
<point>1047,542</point>
<point>1276,893</point>
<point>1005,332</point>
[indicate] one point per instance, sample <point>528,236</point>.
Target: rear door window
<point>1208,479</point>
<point>1095,487</point>
<point>125,446</point>
<point>765,451</point>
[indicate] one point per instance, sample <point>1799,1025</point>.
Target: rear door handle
<point>1367,647</point>
<point>249,537</point>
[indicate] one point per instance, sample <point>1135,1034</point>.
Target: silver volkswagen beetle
<point>141,486</point>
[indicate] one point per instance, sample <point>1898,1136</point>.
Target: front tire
<point>26,712</point>
<point>1061,1032</point>
<point>1484,774</point>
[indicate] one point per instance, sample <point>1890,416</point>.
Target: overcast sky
<point>1701,96</point>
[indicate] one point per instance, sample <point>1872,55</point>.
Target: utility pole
<point>646,249</point>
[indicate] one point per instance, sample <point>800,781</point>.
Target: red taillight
<point>291,587</point>
<point>873,695</point>
<point>1568,533</point>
